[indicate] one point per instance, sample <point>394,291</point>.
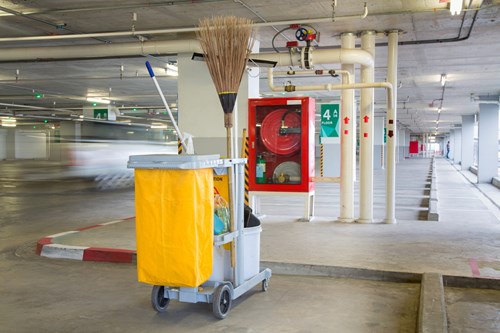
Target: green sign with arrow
<point>330,115</point>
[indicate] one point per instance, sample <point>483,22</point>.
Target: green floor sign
<point>330,114</point>
<point>101,114</point>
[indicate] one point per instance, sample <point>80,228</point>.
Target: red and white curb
<point>48,247</point>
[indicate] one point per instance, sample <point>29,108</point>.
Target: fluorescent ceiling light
<point>8,122</point>
<point>456,6</point>
<point>98,100</point>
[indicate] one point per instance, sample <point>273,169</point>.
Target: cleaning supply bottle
<point>260,170</point>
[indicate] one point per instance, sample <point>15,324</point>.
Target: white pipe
<point>386,85</point>
<point>178,30</point>
<point>366,130</point>
<point>328,56</point>
<point>392,77</point>
<point>329,86</point>
<point>172,47</point>
<point>315,72</point>
<point>347,138</point>
<point>99,50</point>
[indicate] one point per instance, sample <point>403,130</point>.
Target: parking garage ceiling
<point>433,42</point>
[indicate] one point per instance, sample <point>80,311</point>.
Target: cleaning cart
<point>177,251</point>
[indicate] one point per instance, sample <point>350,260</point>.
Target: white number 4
<point>326,115</point>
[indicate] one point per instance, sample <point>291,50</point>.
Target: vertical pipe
<point>347,140</point>
<point>392,77</point>
<point>366,130</point>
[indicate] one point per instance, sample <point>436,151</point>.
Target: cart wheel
<point>265,284</point>
<point>158,299</point>
<point>223,298</point>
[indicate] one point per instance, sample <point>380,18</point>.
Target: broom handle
<point>231,201</point>
<point>179,134</point>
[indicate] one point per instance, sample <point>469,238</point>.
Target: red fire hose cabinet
<point>281,149</point>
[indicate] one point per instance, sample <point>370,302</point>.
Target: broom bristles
<point>227,43</point>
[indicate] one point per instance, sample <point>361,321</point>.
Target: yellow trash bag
<point>174,226</point>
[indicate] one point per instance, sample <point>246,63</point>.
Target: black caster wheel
<point>158,299</point>
<point>222,300</point>
<point>265,284</point>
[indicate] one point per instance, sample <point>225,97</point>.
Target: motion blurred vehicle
<point>103,161</point>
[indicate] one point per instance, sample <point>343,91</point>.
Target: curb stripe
<point>474,268</point>
<point>64,252</point>
<point>62,234</point>
<point>108,255</point>
<point>41,243</point>
<point>46,248</point>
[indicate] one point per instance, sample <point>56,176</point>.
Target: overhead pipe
<point>99,50</point>
<point>330,72</point>
<point>366,129</point>
<point>181,30</point>
<point>172,47</point>
<point>390,178</point>
<point>386,85</point>
<point>347,138</point>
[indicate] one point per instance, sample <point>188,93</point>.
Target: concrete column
<point>407,141</point>
<point>3,144</point>
<point>10,153</point>
<point>366,135</point>
<point>457,149</point>
<point>467,141</point>
<point>401,144</point>
<point>452,144</point>
<point>487,164</point>
<point>200,113</point>
<point>378,143</point>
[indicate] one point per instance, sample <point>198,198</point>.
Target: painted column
<point>467,141</point>
<point>366,135</point>
<point>457,149</point>
<point>487,164</point>
<point>347,140</point>
<point>392,137</point>
<point>378,143</point>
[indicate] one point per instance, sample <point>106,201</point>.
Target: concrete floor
<point>48,295</point>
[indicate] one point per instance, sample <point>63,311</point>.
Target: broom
<point>226,42</point>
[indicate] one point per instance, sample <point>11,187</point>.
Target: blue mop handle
<point>179,134</point>
<point>150,69</point>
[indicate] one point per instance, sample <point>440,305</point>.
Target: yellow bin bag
<point>174,226</point>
